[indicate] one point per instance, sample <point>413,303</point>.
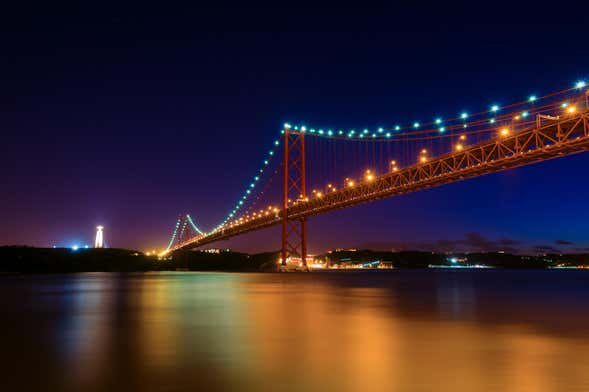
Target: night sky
<point>128,116</point>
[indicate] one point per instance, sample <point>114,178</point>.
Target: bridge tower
<point>294,231</point>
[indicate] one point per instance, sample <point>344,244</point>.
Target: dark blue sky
<point>128,116</point>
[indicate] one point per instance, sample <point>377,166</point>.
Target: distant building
<point>217,251</point>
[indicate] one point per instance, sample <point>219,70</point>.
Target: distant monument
<point>98,242</point>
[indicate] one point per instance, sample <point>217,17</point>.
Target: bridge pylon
<point>294,231</point>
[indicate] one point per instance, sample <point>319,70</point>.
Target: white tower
<point>98,242</point>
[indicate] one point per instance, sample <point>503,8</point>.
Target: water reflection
<point>395,330</point>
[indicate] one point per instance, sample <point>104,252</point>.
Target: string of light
<point>439,125</point>
<point>189,218</point>
<point>174,234</point>
<point>249,191</point>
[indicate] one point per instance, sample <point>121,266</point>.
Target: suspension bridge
<point>351,167</point>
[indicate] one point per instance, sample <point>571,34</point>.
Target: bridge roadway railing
<point>565,136</point>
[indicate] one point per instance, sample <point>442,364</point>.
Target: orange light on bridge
<point>423,159</point>
<point>394,167</point>
<point>369,176</point>
<point>571,109</point>
<point>459,147</point>
<point>504,132</point>
<point>462,137</point>
<point>350,184</point>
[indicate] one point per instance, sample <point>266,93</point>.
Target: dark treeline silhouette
<point>15,259</point>
<point>49,260</point>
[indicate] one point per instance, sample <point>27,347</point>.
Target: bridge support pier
<point>294,231</point>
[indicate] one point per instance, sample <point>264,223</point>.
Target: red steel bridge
<point>370,165</point>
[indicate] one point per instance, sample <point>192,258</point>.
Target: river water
<point>400,330</point>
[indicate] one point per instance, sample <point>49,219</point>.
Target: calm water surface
<point>368,331</point>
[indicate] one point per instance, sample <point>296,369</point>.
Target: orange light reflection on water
<point>321,331</point>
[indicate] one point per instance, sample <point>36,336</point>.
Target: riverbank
<point>24,260</point>
<point>27,260</point>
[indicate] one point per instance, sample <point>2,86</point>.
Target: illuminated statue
<point>98,242</point>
